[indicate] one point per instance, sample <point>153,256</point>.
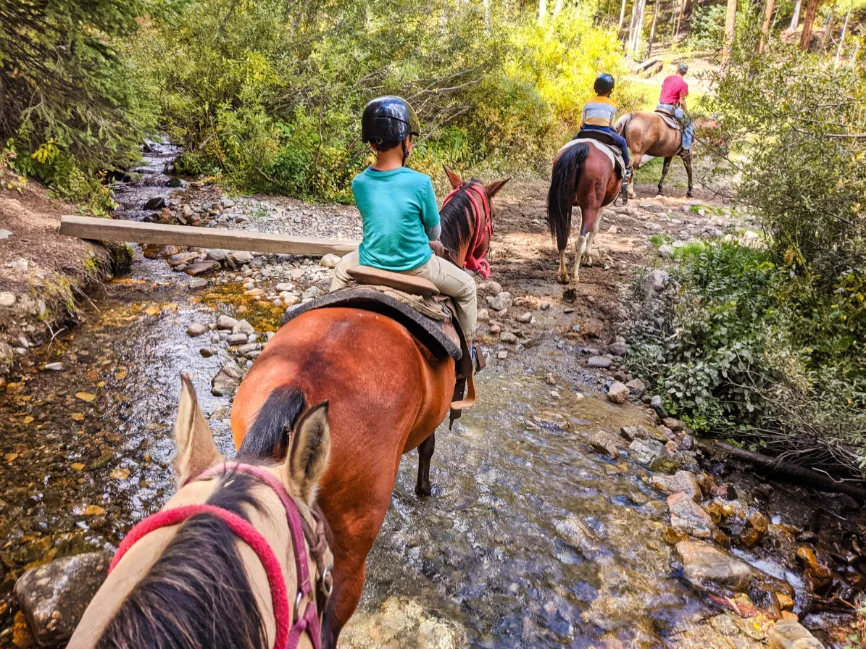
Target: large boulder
<point>704,563</point>
<point>53,597</point>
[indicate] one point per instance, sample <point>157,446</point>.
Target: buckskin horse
<point>238,557</point>
<point>387,394</point>
<point>583,176</point>
<point>647,134</point>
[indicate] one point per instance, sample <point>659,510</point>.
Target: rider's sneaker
<point>477,356</point>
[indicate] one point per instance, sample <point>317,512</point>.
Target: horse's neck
<point>141,557</point>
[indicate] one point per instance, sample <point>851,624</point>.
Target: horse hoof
<point>632,195</point>
<point>562,279</point>
<point>423,490</point>
<point>689,194</point>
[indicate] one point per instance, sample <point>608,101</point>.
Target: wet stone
<point>636,387</point>
<point>207,352</point>
<point>680,482</point>
<point>703,562</point>
<point>788,634</point>
<point>53,597</point>
<point>243,327</point>
<point>673,424</point>
<point>202,267</point>
<point>156,203</point>
<point>238,339</point>
<point>604,443</point>
<point>227,380</point>
<point>645,452</point>
<point>656,404</point>
<point>688,517</point>
<point>724,624</point>
<point>196,329</point>
<point>226,322</point>
<point>197,284</point>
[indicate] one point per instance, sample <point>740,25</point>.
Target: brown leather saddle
<point>669,119</point>
<point>391,295</point>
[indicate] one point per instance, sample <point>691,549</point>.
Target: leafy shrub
<point>708,27</point>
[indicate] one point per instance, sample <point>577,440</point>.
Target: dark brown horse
<point>647,134</point>
<point>387,395</point>
<point>583,176</point>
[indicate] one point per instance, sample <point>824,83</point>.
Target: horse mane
<point>164,610</point>
<point>268,437</point>
<point>456,218</point>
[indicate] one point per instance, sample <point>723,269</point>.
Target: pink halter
<point>476,260</point>
<point>287,635</point>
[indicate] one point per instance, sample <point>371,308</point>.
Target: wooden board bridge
<point>96,229</point>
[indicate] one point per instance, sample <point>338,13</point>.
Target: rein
<point>476,260</point>
<point>288,635</point>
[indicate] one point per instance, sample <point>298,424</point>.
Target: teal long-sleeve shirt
<point>397,208</point>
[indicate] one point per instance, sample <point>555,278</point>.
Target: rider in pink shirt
<point>673,99</point>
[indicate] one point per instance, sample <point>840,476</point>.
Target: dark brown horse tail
<point>563,186</point>
<point>268,437</point>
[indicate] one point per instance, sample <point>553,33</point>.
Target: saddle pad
<point>426,330</point>
<point>670,121</point>
<point>406,283</point>
<point>612,152</point>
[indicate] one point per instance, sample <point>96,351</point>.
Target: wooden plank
<point>86,227</point>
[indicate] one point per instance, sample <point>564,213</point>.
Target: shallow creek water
<point>530,540</point>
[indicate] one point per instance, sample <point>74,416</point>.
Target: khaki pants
<point>448,278</point>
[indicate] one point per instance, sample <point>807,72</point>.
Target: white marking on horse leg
<point>562,275</point>
<point>587,259</point>
<point>579,248</point>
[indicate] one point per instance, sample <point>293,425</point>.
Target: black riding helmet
<point>389,119</point>
<point>604,84</point>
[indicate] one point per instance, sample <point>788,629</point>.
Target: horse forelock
<point>197,594</point>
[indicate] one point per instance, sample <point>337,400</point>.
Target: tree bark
<point>556,9</point>
<point>795,19</point>
<point>841,39</point>
<point>657,8</point>
<point>636,26</point>
<point>680,16</point>
<point>806,36</point>
<point>621,17</point>
<point>542,11</point>
<point>730,29</point>
<point>765,28</point>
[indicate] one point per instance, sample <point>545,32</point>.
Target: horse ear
<point>309,454</point>
<point>455,180</point>
<point>493,188</point>
<point>196,450</point>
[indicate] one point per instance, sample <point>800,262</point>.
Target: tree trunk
<point>680,16</point>
<point>795,19</point>
<point>542,11</point>
<point>841,39</point>
<point>657,8</point>
<point>765,28</point>
<point>621,17</point>
<point>556,9</point>
<point>806,36</point>
<point>636,26</point>
<point>730,29</point>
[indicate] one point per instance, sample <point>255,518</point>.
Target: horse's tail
<point>268,437</point>
<point>622,124</point>
<point>563,186</point>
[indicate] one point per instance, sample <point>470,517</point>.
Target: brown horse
<point>183,579</point>
<point>583,176</point>
<point>647,134</point>
<point>387,395</point>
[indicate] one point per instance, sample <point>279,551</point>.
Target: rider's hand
<point>438,248</point>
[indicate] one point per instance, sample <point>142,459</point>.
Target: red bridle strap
<point>475,258</point>
<point>245,531</point>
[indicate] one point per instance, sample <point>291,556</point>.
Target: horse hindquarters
<point>382,403</point>
<point>562,196</point>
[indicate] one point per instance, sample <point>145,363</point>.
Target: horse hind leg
<point>665,168</point>
<point>590,241</point>
<point>562,274</point>
<point>686,155</point>
<point>425,454</point>
<point>579,244</point>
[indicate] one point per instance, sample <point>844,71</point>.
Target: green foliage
<point>271,96</point>
<point>658,240</point>
<point>708,27</point>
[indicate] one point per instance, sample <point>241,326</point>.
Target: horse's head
<point>467,220</point>
<point>224,562</point>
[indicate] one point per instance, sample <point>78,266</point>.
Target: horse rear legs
<point>425,454</point>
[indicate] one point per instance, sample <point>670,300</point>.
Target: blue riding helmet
<point>604,84</point>
<point>389,119</point>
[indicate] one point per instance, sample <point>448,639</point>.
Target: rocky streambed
<point>569,509</point>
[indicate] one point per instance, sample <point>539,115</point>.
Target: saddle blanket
<point>670,121</point>
<point>613,153</point>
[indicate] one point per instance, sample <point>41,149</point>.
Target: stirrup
<point>470,398</point>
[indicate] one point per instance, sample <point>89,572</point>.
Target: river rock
<point>604,443</point>
<point>226,322</point>
<point>680,482</point>
<point>284,286</point>
<point>7,299</point>
<point>636,387</point>
<point>182,258</point>
<point>507,337</point>
<point>227,380</point>
<point>400,618</point>
<point>499,302</point>
<point>54,367</point>
<point>196,329</point>
<point>491,286</point>
<point>238,258</point>
<point>202,267</point>
<point>646,451</point>
<point>655,282</point>
<point>217,254</point>
<point>703,562</point>
<point>155,203</point>
<point>788,634</point>
<point>618,349</point>
<point>238,339</point>
<point>673,424</point>
<point>656,404</point>
<point>483,315</point>
<point>53,597</point>
<point>207,352</point>
<point>617,392</point>
<point>197,283</point>
<point>819,574</point>
<point>330,261</point>
<point>688,517</point>
<point>601,362</point>
<point>243,327</point>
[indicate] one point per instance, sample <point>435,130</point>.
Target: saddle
<point>669,119</point>
<point>607,140</point>
<point>415,303</point>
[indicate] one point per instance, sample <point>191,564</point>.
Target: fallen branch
<point>785,470</point>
